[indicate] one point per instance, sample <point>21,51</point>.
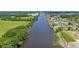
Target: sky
<point>39,5</point>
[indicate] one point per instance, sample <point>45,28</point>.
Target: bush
<point>58,29</point>
<point>14,37</point>
<point>8,42</point>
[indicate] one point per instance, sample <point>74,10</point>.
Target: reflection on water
<point>40,34</point>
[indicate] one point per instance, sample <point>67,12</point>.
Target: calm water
<point>40,34</point>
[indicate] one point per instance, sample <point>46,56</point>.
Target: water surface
<point>40,34</point>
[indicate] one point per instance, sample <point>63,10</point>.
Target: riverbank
<point>66,33</point>
<point>15,32</point>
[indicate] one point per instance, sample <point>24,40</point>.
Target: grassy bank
<point>55,42</point>
<point>13,33</point>
<point>67,37</point>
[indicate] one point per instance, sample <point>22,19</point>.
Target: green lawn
<point>6,25</point>
<point>66,36</point>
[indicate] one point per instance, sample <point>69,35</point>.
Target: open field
<point>74,34</point>
<point>6,25</point>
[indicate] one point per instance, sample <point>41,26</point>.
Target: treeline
<point>15,18</point>
<point>66,15</point>
<point>69,16</point>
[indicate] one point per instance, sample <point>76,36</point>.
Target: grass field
<point>6,25</point>
<point>67,37</point>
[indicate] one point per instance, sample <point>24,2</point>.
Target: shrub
<point>14,37</point>
<point>58,29</point>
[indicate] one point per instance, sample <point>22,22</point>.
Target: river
<point>40,34</point>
